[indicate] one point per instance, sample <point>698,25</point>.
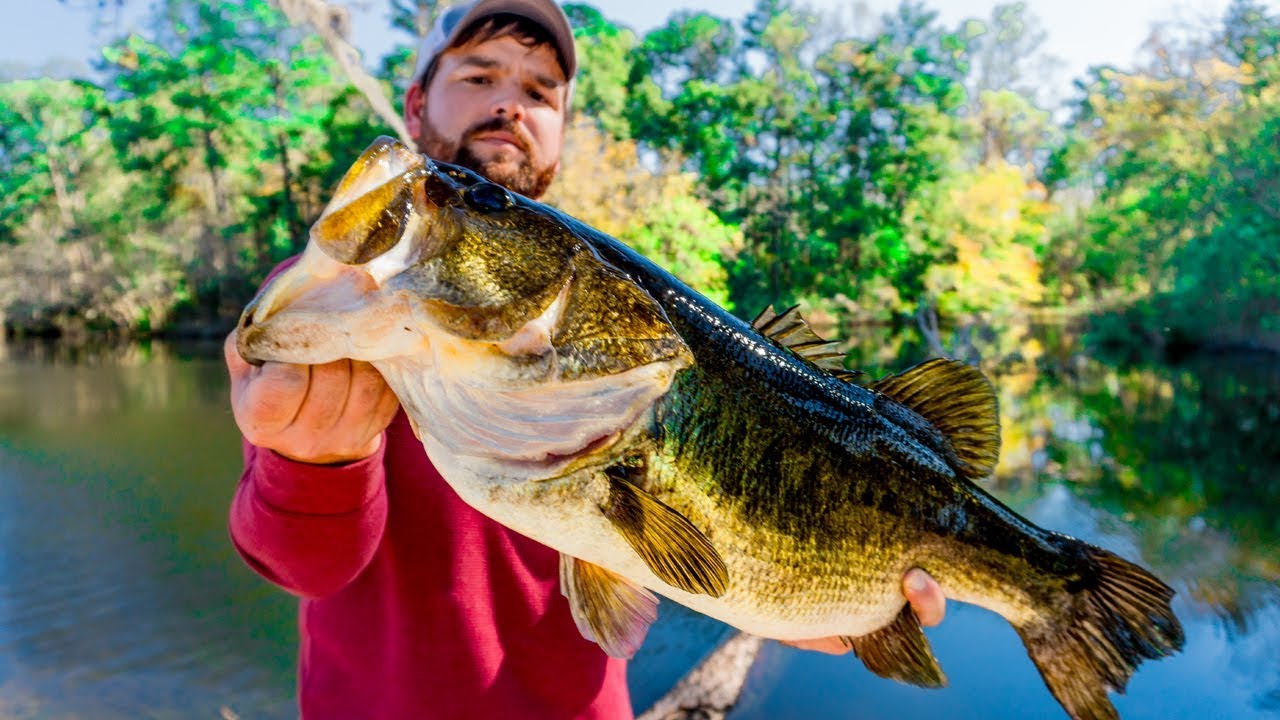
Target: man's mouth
<point>500,139</point>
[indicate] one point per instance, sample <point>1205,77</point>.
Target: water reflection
<point>120,595</point>
<point>1176,466</point>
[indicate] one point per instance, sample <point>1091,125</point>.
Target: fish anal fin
<point>676,551</point>
<point>956,399</point>
<point>900,651</point>
<point>608,609</point>
<point>790,330</point>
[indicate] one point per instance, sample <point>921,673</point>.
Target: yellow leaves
<point>1212,72</point>
<point>997,216</point>
<point>1169,115</point>
<point>604,183</point>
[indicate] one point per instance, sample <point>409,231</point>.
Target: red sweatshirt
<point>414,605</point>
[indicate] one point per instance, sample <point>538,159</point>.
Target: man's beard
<point>518,174</point>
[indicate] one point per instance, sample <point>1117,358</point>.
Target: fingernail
<point>916,581</point>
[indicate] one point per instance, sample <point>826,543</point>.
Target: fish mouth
<point>335,300</point>
<point>318,310</point>
<point>568,462</point>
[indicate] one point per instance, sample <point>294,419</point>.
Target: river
<point>122,597</point>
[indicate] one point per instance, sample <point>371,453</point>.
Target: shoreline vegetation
<point>903,171</point>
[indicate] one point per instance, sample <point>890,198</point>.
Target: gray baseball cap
<point>457,18</point>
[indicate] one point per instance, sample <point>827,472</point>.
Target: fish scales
<point>598,405</point>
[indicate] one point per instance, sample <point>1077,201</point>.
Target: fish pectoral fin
<point>900,651</point>
<point>675,550</point>
<point>608,609</point>
<point>958,400</point>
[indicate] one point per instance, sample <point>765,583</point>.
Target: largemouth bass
<point>572,390</point>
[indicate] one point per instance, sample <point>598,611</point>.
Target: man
<point>413,604</point>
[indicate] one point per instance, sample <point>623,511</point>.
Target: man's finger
<point>367,388</point>
<point>271,398</point>
<point>235,364</point>
<point>328,395</point>
<point>925,595</point>
<point>830,645</point>
<point>385,410</point>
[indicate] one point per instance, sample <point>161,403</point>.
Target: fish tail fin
<point>1093,639</point>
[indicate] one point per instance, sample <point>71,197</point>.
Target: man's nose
<point>509,104</point>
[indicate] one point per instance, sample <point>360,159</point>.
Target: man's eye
<point>476,80</point>
<point>537,95</point>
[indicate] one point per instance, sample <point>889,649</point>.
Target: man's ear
<point>414,99</point>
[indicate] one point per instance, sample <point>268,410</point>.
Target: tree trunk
<point>711,689</point>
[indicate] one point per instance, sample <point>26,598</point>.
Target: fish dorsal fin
<point>958,400</point>
<point>676,551</point>
<point>900,651</point>
<point>791,331</point>
<point>608,609</point>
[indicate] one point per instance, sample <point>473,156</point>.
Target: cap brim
<point>544,12</point>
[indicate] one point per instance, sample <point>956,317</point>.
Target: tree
<point>1178,156</point>
<point>604,63</point>
<point>820,147</point>
<point>213,147</point>
<point>997,221</point>
<point>603,183</point>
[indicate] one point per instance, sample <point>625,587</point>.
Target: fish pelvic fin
<point>676,551</point>
<point>958,400</point>
<point>900,651</point>
<point>608,609</point>
<point>1094,639</point>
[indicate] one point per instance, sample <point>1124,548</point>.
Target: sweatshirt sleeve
<point>311,529</point>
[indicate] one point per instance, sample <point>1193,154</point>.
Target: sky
<point>1080,32</point>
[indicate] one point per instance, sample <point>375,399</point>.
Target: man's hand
<point>319,414</point>
<point>922,591</point>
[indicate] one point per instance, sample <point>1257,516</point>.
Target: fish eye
<point>487,197</point>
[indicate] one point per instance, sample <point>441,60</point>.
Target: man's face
<point>496,107</point>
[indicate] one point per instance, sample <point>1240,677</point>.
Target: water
<point>121,596</point>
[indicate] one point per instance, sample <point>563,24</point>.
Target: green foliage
<point>44,130</point>
<point>823,149</point>
<point>1181,232</point>
<point>770,159</point>
<point>414,17</point>
<point>1236,263</point>
<point>603,183</point>
<point>604,61</point>
<point>210,136</point>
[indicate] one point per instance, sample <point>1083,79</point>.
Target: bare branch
<point>333,24</point>
<point>712,688</point>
